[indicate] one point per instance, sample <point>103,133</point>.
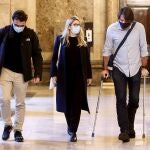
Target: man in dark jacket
<point>18,46</point>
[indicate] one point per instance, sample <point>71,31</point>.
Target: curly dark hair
<point>20,15</point>
<point>127,13</point>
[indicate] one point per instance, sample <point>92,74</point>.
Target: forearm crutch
<point>144,87</point>
<point>97,106</point>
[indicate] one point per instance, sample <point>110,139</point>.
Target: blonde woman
<point>72,74</point>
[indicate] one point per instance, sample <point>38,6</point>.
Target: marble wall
<point>51,16</point>
<point>47,17</point>
<point>4,12</point>
<point>7,7</point>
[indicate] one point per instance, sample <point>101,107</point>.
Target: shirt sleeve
<point>143,42</point>
<point>108,46</point>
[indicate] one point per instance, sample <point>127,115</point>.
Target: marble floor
<point>45,129</point>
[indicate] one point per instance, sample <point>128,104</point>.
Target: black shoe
<point>6,132</point>
<point>18,136</point>
<point>131,133</point>
<point>73,137</point>
<point>124,137</point>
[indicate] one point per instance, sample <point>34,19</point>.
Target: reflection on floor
<point>45,128</point>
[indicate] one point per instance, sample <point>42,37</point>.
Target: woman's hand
<point>89,81</point>
<point>54,79</point>
<point>36,80</point>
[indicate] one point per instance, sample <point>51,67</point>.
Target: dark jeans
<point>126,111</point>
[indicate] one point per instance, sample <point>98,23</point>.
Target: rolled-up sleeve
<point>143,42</point>
<point>108,46</point>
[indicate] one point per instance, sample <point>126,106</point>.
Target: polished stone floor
<point>45,129</point>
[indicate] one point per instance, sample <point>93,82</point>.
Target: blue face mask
<point>75,29</point>
<point>18,29</point>
<point>124,25</point>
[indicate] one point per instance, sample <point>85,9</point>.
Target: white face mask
<point>18,29</point>
<point>75,30</point>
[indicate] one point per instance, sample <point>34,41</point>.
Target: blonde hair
<point>65,33</point>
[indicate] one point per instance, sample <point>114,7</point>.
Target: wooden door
<point>142,15</point>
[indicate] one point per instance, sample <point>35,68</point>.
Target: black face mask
<point>124,25</point>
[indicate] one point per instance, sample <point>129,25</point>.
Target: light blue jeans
<point>11,81</point>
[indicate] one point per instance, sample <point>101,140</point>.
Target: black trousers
<point>73,119</point>
<point>75,96</point>
<point>126,110</point>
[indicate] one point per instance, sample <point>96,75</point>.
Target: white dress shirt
<point>128,58</point>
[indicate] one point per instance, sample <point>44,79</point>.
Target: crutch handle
<point>102,78</point>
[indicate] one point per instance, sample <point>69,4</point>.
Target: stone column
<point>112,11</point>
<point>123,3</point>
<point>99,26</point>
<point>29,7</point>
<point>31,11</point>
<point>99,20</point>
<point>4,13</point>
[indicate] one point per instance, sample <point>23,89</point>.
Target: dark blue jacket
<point>61,73</point>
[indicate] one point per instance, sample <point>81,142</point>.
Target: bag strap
<point>125,37</point>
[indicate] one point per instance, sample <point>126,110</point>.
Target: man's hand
<point>105,74</point>
<point>144,72</point>
<point>89,81</point>
<point>54,79</point>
